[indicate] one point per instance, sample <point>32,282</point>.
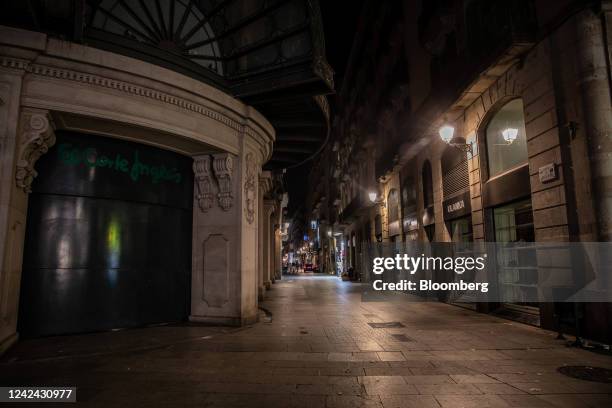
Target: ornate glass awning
<point>269,53</point>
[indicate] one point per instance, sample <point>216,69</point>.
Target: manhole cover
<point>385,325</point>
<point>402,338</point>
<point>597,374</point>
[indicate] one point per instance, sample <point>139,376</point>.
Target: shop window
<point>506,139</point>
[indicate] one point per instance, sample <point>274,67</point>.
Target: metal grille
<point>456,179</point>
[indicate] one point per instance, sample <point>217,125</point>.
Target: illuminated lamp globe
<point>446,133</point>
<point>372,197</point>
<point>510,134</point>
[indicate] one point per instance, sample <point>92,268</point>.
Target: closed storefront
<point>507,202</point>
<point>108,240</point>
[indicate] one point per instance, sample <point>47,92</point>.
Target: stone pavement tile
<point>369,346</point>
<point>441,369</point>
<point>428,379</point>
<point>532,377</point>
<point>391,356</point>
<point>412,401</point>
<point>369,364</point>
<point>349,401</point>
<point>498,389</point>
<point>299,346</point>
<point>579,401</point>
<point>448,389</point>
<point>545,387</point>
<point>471,401</point>
<point>230,400</point>
<point>262,401</point>
<point>411,363</point>
<point>381,380</point>
<point>245,388</point>
<point>360,356</point>
<point>473,379</point>
<point>328,389</point>
<point>390,389</point>
<point>334,371</point>
<point>525,401</point>
<point>590,387</point>
<point>401,371</point>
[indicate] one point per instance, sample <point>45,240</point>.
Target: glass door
<point>517,264</point>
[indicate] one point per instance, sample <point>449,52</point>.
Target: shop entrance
<point>108,238</point>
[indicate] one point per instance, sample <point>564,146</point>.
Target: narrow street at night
<point>306,203</point>
<point>316,348</point>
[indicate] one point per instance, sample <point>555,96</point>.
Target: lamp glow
<point>510,134</point>
<point>446,133</point>
<point>329,233</point>
<point>372,197</point>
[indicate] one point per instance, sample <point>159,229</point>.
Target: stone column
<point>224,265</point>
<point>26,135</point>
<point>278,267</point>
<point>593,70</point>
<point>265,183</point>
<point>268,250</point>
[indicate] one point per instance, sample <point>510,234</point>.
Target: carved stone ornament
<point>249,189</point>
<point>203,179</point>
<point>223,165</point>
<point>37,136</point>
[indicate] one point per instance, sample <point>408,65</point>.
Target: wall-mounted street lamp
<point>372,196</point>
<point>447,133</point>
<point>510,135</point>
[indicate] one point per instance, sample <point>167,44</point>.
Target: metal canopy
<point>268,53</point>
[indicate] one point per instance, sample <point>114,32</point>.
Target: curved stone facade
<point>47,84</point>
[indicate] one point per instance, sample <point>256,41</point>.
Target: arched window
<point>427,185</point>
<point>506,139</point>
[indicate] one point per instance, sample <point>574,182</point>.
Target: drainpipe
<point>593,72</point>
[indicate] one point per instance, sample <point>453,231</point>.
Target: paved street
<point>318,350</point>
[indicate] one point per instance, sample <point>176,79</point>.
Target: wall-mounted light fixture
<point>447,133</point>
<point>372,196</point>
<point>510,135</point>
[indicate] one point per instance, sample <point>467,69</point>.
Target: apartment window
<point>506,139</point>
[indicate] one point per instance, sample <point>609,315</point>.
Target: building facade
<point>484,121</point>
<point>138,180</point>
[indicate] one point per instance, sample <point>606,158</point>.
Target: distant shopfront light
<point>329,233</point>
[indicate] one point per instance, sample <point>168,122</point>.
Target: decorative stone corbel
<point>223,165</point>
<point>203,179</point>
<point>249,189</point>
<point>37,136</point>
